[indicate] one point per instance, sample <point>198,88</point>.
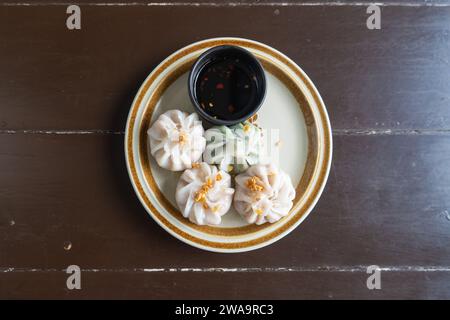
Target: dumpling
<point>233,149</point>
<point>263,194</point>
<point>176,140</point>
<point>204,194</point>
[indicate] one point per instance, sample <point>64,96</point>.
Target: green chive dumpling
<point>234,148</point>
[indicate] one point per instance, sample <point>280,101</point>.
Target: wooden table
<point>65,197</point>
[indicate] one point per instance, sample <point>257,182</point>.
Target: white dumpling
<point>263,194</point>
<point>176,140</point>
<point>233,149</point>
<point>204,194</point>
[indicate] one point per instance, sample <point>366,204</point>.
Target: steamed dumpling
<point>204,194</point>
<point>176,140</point>
<point>233,149</point>
<point>263,194</point>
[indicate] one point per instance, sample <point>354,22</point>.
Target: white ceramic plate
<point>294,115</point>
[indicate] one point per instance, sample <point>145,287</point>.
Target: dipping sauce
<point>226,88</point>
<point>227,85</point>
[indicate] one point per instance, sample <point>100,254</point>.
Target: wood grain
<point>385,203</point>
<point>229,3</point>
<point>397,77</point>
<point>304,285</point>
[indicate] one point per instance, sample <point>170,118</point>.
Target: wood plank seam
<point>345,269</point>
<point>336,132</point>
<point>234,4</point>
<point>390,132</point>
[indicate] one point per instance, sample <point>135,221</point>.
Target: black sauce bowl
<point>242,59</point>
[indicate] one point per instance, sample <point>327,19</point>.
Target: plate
<point>298,139</point>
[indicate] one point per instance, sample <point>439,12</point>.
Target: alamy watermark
<point>374,20</point>
<point>374,280</point>
<point>243,148</point>
<point>74,280</point>
<point>73,21</point>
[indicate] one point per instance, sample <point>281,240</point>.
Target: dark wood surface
<point>65,197</point>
